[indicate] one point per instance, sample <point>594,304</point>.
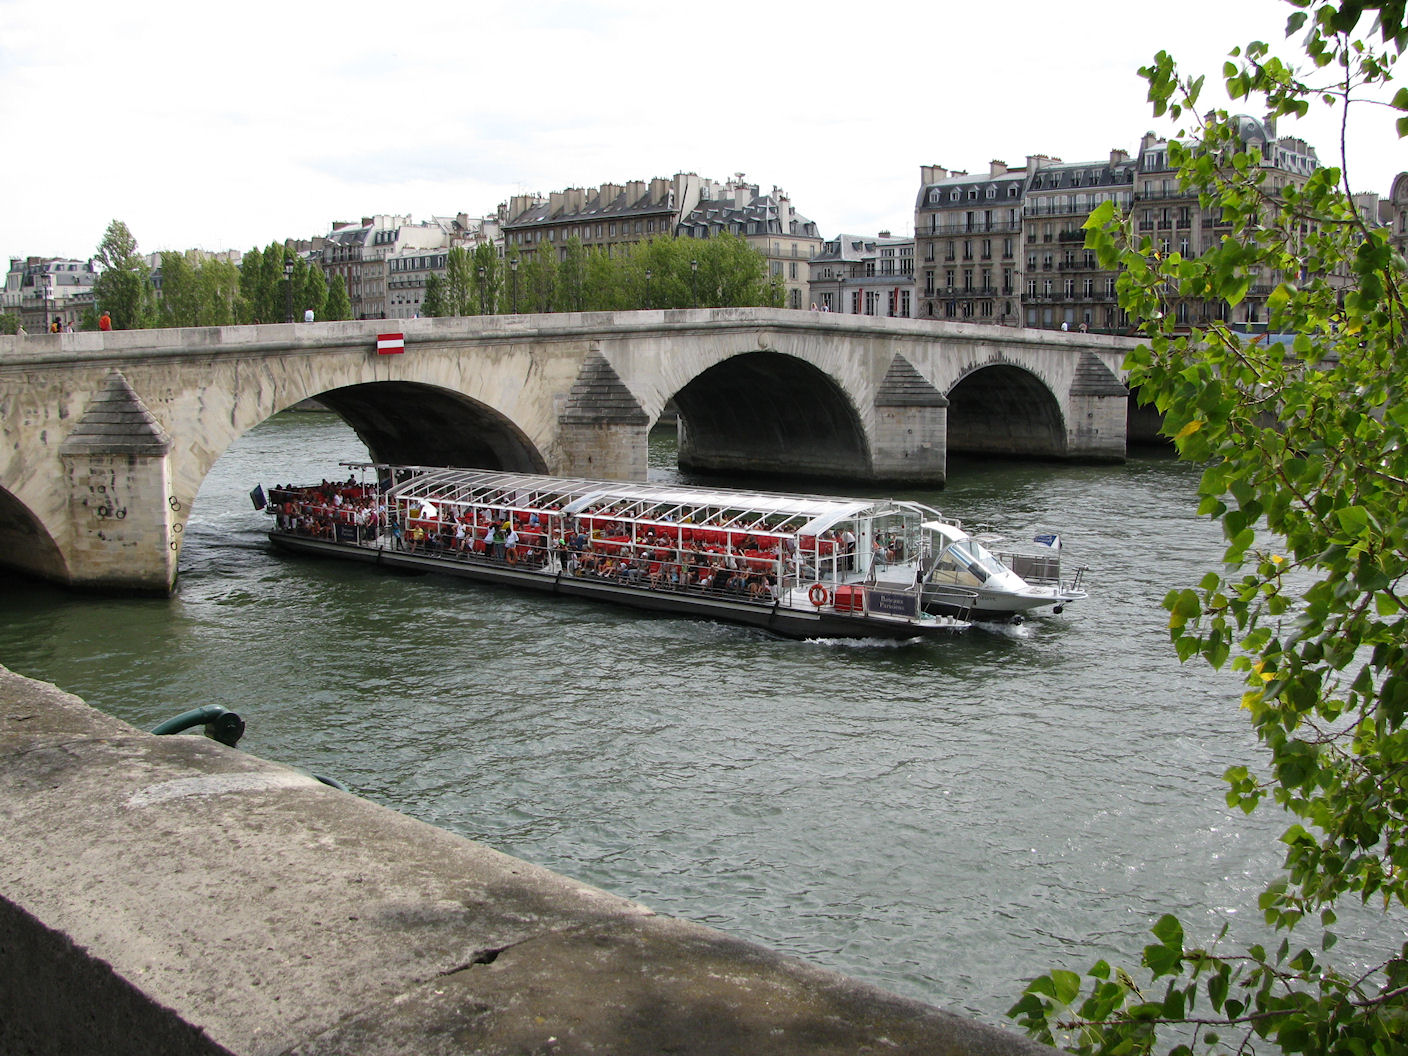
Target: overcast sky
<point>229,125</point>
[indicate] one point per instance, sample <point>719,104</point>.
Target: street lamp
<point>647,287</point>
<point>694,282</point>
<point>481,290</point>
<point>513,269</point>
<point>48,293</point>
<point>288,289</point>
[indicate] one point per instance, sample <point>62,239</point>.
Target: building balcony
<point>975,228</point>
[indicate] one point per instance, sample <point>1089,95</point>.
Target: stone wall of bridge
<point>105,438</point>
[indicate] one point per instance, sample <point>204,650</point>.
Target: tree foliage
<point>338,304</point>
<point>123,286</point>
<point>488,280</point>
<point>457,288</point>
<point>1305,448</point>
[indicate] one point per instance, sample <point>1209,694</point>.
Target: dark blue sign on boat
<point>893,602</point>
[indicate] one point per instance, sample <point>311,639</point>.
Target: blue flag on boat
<point>1050,539</point>
<point>257,497</point>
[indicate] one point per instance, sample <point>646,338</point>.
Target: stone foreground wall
<point>171,895</point>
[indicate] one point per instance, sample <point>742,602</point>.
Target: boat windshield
<point>967,561</point>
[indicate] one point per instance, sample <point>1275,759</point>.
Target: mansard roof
<point>938,195</point>
<point>759,216</point>
<point>609,202</point>
<point>856,248</point>
<point>1099,173</point>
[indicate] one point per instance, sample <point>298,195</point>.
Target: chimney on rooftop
<point>997,168</point>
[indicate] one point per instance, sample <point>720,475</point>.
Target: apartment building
<point>1173,220</point>
<point>864,275</point>
<point>967,234</point>
<point>611,216</point>
<point>410,265</point>
<point>40,289</point>
<point>605,217</point>
<point>363,254</point>
<point>767,222</point>
<point>1064,286</point>
<point>1395,213</point>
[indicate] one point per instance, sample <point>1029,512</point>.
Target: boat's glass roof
<point>637,500</point>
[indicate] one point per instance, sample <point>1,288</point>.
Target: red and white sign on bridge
<point>390,344</point>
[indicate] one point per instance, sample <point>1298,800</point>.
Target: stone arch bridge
<point>108,436</point>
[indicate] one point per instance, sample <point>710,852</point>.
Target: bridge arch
<point>766,412</point>
<point>27,542</point>
<point>1003,409</point>
<point>412,423</point>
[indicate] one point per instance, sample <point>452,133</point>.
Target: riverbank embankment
<point>172,895</point>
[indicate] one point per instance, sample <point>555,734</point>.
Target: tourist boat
<point>801,566</point>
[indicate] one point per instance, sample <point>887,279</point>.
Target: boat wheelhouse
<point>802,566</point>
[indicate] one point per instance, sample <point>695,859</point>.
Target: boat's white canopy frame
<point>808,515</point>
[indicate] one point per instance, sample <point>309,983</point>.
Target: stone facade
<point>864,275</point>
<point>1064,287</point>
<point>967,233</point>
<point>42,289</point>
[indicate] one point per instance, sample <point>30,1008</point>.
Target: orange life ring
<point>817,595</point>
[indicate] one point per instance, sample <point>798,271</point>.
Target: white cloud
<point>199,126</point>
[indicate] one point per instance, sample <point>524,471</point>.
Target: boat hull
<point>779,619</point>
<point>993,606</point>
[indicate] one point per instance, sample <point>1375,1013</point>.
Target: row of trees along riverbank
<point>664,272</point>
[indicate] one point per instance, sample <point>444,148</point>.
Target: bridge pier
<point>1097,414</point>
<point>909,444</point>
<point>603,432</point>
<point>124,525</point>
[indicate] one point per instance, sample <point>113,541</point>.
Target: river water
<point>944,820</point>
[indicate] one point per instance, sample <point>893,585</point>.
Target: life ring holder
<point>818,594</point>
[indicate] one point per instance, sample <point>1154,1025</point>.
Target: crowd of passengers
<point>679,557</point>
<point>318,511</point>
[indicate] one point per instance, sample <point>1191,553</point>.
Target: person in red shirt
<point>105,322</point>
